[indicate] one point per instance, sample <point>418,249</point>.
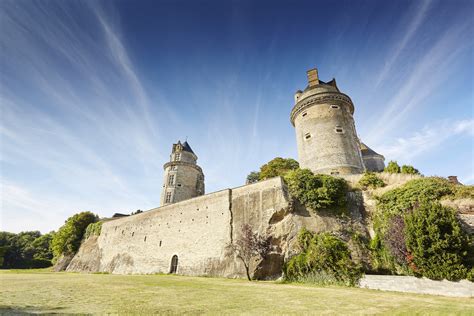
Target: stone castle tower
<point>325,131</point>
<point>183,178</point>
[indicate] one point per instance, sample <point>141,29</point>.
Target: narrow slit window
<point>168,197</point>
<point>307,136</point>
<point>334,106</point>
<point>304,114</point>
<point>339,130</point>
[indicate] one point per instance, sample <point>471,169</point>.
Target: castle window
<point>334,106</point>
<point>339,130</point>
<point>160,243</point>
<point>307,136</point>
<point>171,179</point>
<point>177,156</point>
<point>304,114</point>
<point>179,184</point>
<point>168,197</point>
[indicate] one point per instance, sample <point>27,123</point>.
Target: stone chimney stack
<point>313,78</point>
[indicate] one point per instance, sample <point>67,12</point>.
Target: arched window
<point>174,264</point>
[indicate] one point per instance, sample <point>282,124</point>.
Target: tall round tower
<point>325,130</point>
<point>183,178</point>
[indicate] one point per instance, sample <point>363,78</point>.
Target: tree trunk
<point>247,271</point>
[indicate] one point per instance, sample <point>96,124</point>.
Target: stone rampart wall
<point>198,231</point>
<point>195,230</point>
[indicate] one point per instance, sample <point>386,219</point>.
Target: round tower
<point>325,131</point>
<point>183,178</point>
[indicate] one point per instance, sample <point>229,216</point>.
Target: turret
<point>325,131</point>
<point>183,178</point>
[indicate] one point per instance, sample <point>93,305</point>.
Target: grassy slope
<point>41,291</point>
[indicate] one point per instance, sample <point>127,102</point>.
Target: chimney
<point>313,77</point>
<point>453,180</point>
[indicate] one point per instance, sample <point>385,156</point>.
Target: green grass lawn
<point>48,292</point>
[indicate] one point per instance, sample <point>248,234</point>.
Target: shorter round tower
<point>183,178</point>
<point>325,130</point>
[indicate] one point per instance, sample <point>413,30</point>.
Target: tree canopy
<point>25,250</point>
<point>68,238</point>
<point>277,167</point>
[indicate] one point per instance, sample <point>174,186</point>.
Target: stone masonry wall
<point>198,231</point>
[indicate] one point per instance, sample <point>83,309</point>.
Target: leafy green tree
<point>253,177</point>
<point>325,256</point>
<point>392,167</point>
<point>437,244</point>
<point>277,167</point>
<point>407,169</point>
<point>24,250</point>
<point>68,238</point>
<point>371,180</point>
<point>42,246</point>
<point>317,191</point>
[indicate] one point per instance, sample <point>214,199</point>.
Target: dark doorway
<point>174,264</point>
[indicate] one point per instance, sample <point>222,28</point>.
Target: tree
<point>277,167</point>
<point>248,246</point>
<point>317,191</point>
<point>253,177</point>
<point>407,169</point>
<point>68,238</point>
<point>392,167</point>
<point>25,250</point>
<point>438,246</point>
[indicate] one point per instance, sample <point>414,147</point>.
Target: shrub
<point>463,192</point>
<point>395,240</point>
<point>277,167</point>
<point>436,242</point>
<point>93,229</point>
<point>317,191</point>
<point>68,238</point>
<point>392,167</point>
<point>325,259</point>
<point>406,197</point>
<point>407,169</point>
<point>371,180</point>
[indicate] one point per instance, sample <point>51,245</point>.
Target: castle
<point>325,135</point>
<point>190,232</point>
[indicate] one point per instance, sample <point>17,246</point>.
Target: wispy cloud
<point>85,126</point>
<point>407,35</point>
<point>422,77</point>
<point>431,137</point>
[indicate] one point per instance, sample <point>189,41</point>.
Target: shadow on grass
<point>30,310</point>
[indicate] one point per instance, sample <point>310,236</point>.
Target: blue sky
<point>93,94</point>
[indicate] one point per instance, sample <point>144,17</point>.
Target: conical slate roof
<point>187,148</point>
<point>366,151</point>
